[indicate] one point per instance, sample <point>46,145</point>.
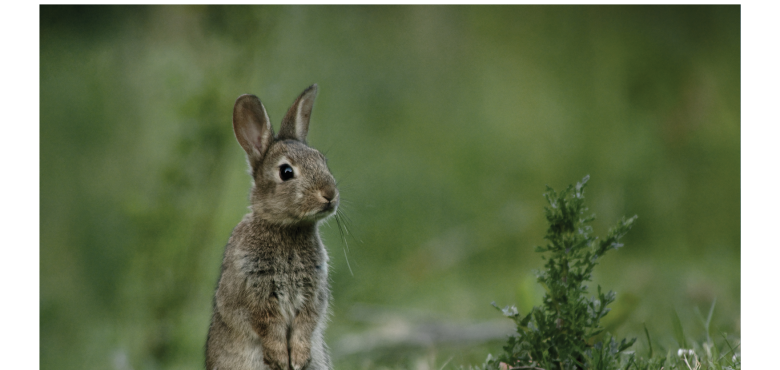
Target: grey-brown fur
<point>272,298</point>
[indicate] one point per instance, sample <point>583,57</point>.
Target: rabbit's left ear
<point>295,124</point>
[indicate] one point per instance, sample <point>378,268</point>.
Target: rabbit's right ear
<point>252,127</point>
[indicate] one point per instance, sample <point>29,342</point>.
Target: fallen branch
<point>393,329</point>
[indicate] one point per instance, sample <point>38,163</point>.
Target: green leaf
<point>731,349</point>
<point>630,362</point>
<point>595,333</point>
<point>625,345</point>
<point>709,319</point>
<point>679,335</point>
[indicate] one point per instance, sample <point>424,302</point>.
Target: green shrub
<point>562,333</point>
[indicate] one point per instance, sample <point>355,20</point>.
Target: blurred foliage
<point>443,124</point>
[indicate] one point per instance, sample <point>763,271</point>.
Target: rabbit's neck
<point>295,229</point>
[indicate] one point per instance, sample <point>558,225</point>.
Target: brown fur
<point>271,302</point>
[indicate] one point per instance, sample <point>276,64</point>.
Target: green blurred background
<point>443,125</point>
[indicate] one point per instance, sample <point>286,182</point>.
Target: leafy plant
<point>563,332</point>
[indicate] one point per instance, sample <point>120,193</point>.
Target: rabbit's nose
<point>329,194</point>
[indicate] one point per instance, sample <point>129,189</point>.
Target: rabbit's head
<point>292,182</point>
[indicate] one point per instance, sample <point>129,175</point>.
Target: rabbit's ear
<point>295,124</point>
<point>252,127</point>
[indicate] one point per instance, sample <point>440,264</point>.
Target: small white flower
<point>682,352</point>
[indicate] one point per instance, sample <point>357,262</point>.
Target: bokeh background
<point>443,125</point>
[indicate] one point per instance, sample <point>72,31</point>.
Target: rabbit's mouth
<point>327,209</point>
<point>322,212</point>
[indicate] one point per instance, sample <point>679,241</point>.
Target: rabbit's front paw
<point>300,355</point>
<point>275,360</point>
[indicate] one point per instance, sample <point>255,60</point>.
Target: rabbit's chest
<point>289,278</point>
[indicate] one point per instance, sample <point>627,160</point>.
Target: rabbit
<point>271,302</point>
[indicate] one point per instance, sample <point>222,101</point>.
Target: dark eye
<point>286,172</point>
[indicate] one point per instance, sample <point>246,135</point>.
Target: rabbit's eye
<point>286,172</point>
